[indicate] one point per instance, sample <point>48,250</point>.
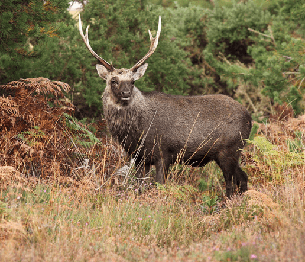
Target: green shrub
<point>200,50</point>
<point>80,135</point>
<point>275,162</point>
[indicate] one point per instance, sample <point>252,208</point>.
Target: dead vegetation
<point>50,210</point>
<point>41,140</point>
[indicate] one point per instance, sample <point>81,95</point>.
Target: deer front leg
<point>162,166</point>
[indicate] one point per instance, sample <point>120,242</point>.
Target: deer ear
<point>140,72</point>
<point>102,71</point>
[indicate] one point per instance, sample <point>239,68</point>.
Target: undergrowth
<point>63,196</point>
<point>41,138</point>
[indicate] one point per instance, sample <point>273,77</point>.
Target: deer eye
<point>114,82</point>
<point>132,81</point>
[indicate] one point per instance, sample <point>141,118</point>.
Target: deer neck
<point>122,119</point>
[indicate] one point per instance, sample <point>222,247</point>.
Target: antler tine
<point>86,40</point>
<point>153,46</point>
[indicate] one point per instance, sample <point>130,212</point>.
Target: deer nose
<point>125,93</point>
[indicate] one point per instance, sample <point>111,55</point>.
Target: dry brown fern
<point>9,112</point>
<point>34,136</point>
<point>39,85</point>
<point>27,104</point>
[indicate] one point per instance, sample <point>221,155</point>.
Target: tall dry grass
<point>170,223</point>
<point>92,213</point>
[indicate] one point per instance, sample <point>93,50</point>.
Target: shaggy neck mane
<point>123,121</point>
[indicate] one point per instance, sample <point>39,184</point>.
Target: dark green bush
<point>200,51</point>
<point>251,46</point>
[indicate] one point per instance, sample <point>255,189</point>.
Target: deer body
<point>162,129</point>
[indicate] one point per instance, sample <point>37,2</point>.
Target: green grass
<point>51,223</point>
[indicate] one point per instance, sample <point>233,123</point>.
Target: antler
<point>86,40</point>
<point>153,46</point>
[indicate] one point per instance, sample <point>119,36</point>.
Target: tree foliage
<point>249,47</point>
<point>24,26</point>
<point>251,50</point>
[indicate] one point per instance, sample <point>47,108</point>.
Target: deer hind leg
<point>228,162</point>
<point>241,179</point>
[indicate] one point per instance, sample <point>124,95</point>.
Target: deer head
<point>121,81</point>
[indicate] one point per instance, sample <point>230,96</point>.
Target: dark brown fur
<point>192,129</point>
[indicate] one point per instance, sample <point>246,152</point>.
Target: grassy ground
<point>61,200</point>
<point>51,223</point>
<point>182,221</point>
